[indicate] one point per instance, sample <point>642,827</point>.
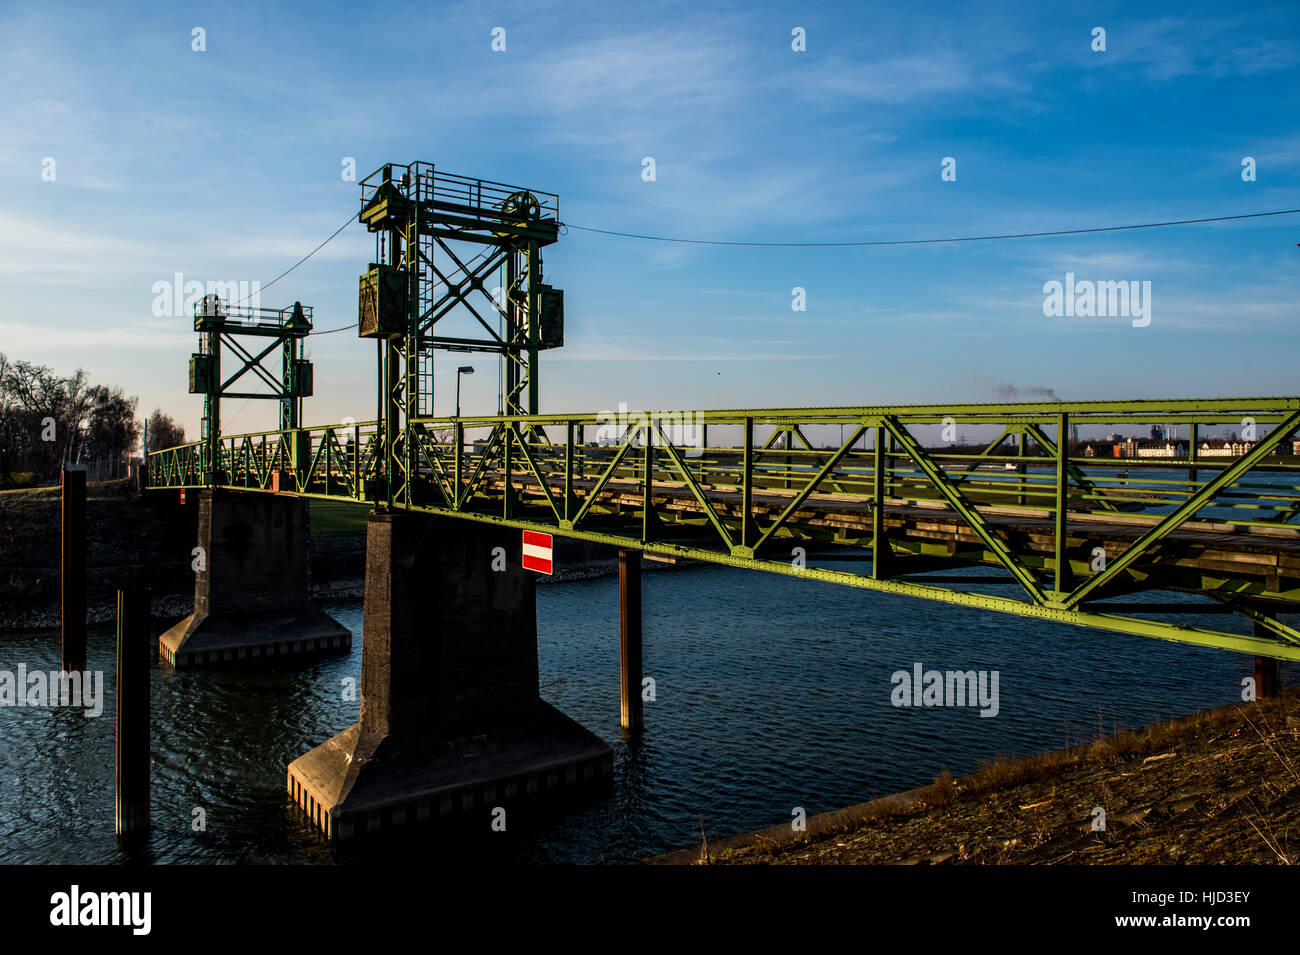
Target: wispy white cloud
<point>1167,48</point>
<point>121,333</point>
<point>903,78</point>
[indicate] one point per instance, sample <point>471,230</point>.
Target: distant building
<point>1219,448</point>
<point>1161,449</point>
<point>1117,447</point>
<point>1112,447</point>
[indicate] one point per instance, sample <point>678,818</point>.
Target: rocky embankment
<point>1218,787</point>
<point>132,540</point>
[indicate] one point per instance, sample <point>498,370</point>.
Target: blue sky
<point>225,165</point>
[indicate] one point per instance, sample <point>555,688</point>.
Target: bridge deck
<point>1195,557</point>
<point>1070,532</point>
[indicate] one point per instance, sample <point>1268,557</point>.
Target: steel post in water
<point>1266,670</point>
<point>629,638</point>
<point>72,568</point>
<point>133,682</point>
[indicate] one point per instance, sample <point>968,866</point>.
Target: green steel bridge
<point>848,495</point>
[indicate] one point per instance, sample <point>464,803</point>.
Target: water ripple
<point>771,693</point>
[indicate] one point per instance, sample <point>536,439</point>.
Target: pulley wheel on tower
<point>522,204</point>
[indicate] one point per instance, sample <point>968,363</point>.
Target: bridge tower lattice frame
<point>425,223</point>
<point>221,324</point>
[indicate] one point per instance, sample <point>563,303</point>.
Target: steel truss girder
<point>522,480</point>
<point>1075,472</point>
<point>962,506</point>
<point>458,293</point>
<point>1186,511</point>
<point>1110,622</point>
<point>1267,621</point>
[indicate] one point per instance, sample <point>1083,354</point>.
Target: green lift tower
<point>220,323</point>
<point>444,245</point>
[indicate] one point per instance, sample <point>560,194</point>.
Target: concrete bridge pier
<point>252,598</point>
<point>451,720</point>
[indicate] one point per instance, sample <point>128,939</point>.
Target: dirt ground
<point>1217,787</point>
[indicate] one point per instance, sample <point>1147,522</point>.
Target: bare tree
<point>47,420</point>
<point>34,398</point>
<point>77,406</point>
<point>111,429</point>
<point>164,432</point>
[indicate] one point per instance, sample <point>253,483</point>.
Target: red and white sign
<point>537,552</point>
<point>182,495</point>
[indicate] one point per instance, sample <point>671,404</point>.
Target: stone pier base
<point>451,721</point>
<point>252,589</point>
<point>360,783</point>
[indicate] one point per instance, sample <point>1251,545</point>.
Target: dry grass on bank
<point>1217,787</point>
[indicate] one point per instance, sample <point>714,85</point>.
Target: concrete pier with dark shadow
<point>252,587</point>
<point>451,720</point>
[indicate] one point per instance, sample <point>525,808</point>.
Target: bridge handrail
<point>729,498</point>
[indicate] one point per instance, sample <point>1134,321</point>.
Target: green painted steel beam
<point>962,506</point>
<point>798,500</point>
<point>1185,512</point>
<point>772,485</point>
<point>1042,412</point>
<point>1111,622</point>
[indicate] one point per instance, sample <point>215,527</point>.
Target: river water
<point>772,692</point>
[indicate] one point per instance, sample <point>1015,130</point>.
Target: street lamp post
<point>462,370</point>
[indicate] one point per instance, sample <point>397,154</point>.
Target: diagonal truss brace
<point>811,486</point>
<point>693,486</point>
<point>946,487</point>
<point>624,446</point>
<point>1075,472</point>
<point>253,363</point>
<point>537,473</point>
<point>1271,624</point>
<point>1185,511</point>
